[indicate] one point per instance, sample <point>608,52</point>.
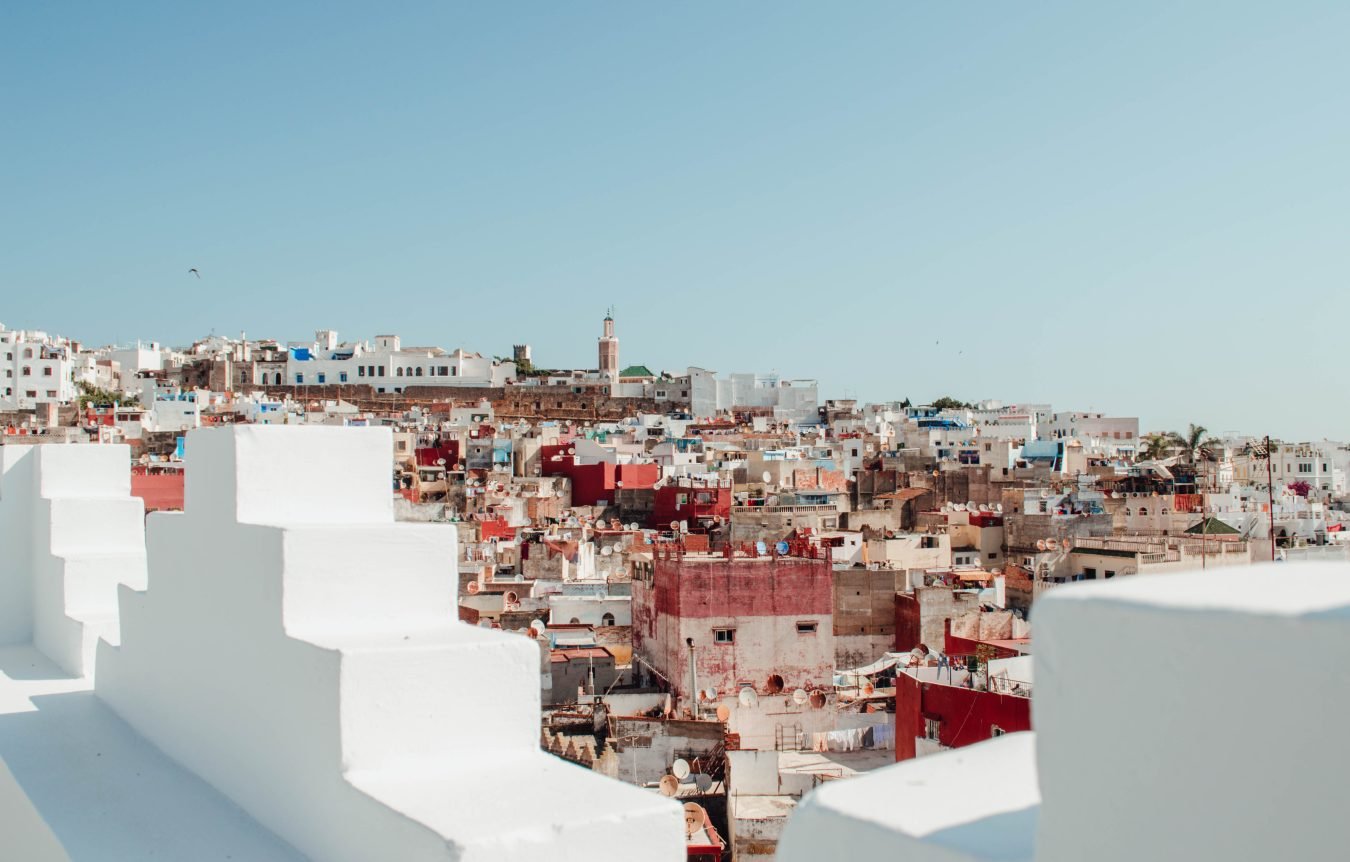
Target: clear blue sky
<point>1136,207</point>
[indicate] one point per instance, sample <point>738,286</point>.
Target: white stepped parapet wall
<point>71,533</point>
<point>302,653</point>
<point>1178,717</point>
<point>1195,716</point>
<point>974,804</point>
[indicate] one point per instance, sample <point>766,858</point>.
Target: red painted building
<point>697,504</point>
<point>761,621</point>
<point>433,456</point>
<point>952,715</point>
<point>592,483</point>
<point>161,490</point>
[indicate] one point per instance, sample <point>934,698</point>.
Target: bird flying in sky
<point>194,272</point>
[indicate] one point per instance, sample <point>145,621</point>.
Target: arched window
<point>607,620</point>
<point>278,381</point>
<point>575,622</point>
<point>1164,511</point>
<point>1143,511</point>
<point>418,372</point>
<point>27,372</point>
<point>1128,513</point>
<point>398,372</point>
<point>28,353</point>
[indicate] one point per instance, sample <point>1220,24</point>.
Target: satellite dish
<point>511,597</point>
<point>723,714</point>
<point>703,781</point>
<point>538,627</point>
<point>674,525</point>
<point>668,785</point>
<point>1040,544</point>
<point>710,694</point>
<point>800,696</point>
<point>998,507</point>
<point>606,551</point>
<point>984,507</point>
<point>868,689</point>
<point>633,526</point>
<point>473,588</point>
<point>747,697</point>
<point>817,699</point>
<point>1051,544</point>
<point>440,462</point>
<point>768,477</point>
<point>680,768</point>
<point>970,506</point>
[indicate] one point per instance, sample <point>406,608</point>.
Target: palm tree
<point>1157,446</point>
<point>1192,442</point>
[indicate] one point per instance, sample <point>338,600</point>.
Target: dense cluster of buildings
<point>738,591</point>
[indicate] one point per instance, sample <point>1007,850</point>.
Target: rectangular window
<point>342,377</point>
<point>445,370</point>
<point>323,378</point>
<point>1110,573</point>
<point>47,372</point>
<point>51,393</point>
<point>1090,574</point>
<point>381,374</point>
<point>931,728</point>
<point>299,378</point>
<point>360,371</point>
<point>806,628</point>
<point>724,636</point>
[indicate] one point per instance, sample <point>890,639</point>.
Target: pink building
<point>760,621</point>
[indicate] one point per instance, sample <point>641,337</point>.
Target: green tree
<point>946,402</point>
<point>1157,446</point>
<point>91,394</point>
<point>1192,443</point>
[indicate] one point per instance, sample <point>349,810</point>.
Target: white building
<point>793,401</point>
<point>386,365</point>
<point>1101,435</point>
<point>35,369</point>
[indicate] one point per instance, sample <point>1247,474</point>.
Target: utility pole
<point>1270,494</point>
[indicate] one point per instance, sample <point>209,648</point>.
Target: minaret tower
<point>609,350</point>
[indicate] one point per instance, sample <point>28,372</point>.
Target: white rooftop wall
<point>301,652</point>
<point>1178,717</point>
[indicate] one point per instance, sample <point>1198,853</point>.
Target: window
<point>931,728</point>
<point>47,372</point>
<point>418,372</point>
<point>28,353</point>
<point>1110,573</point>
<point>1090,574</point>
<point>660,393</point>
<point>299,378</point>
<point>360,371</point>
<point>342,377</point>
<point>27,372</point>
<point>51,393</point>
<point>806,628</point>
<point>398,372</point>
<point>323,378</point>
<point>381,371</point>
<point>724,636</point>
<point>995,730</point>
<point>31,393</point>
<point>993,555</point>
<point>1143,510</point>
<point>607,620</point>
